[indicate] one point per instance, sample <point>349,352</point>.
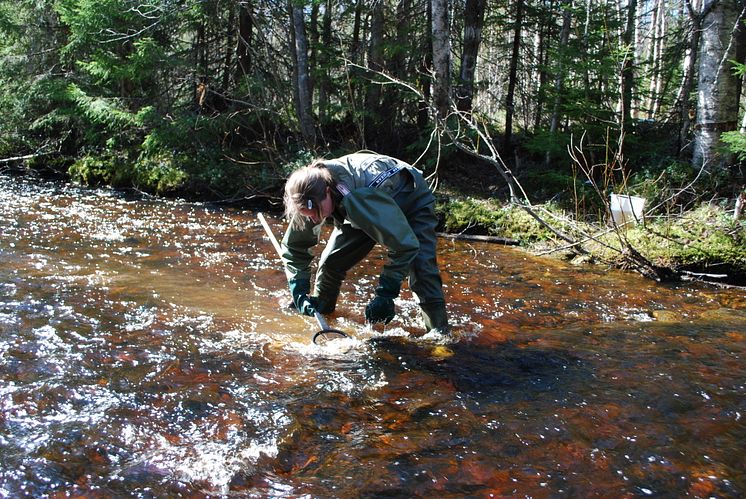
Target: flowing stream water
<point>148,351</point>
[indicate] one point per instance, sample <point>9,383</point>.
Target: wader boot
<point>435,317</point>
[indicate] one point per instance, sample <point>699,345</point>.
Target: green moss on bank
<point>486,216</point>
<point>705,239</point>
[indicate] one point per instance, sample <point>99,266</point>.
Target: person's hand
<point>299,289</point>
<point>307,305</point>
<point>380,309</point>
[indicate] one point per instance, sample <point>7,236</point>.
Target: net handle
<point>324,327</point>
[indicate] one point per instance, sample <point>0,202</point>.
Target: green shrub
<point>736,143</point>
<point>100,170</point>
<point>545,143</point>
<point>160,173</point>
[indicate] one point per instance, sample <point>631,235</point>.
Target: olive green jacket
<point>370,209</point>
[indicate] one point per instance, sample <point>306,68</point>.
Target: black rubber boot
<point>435,317</point>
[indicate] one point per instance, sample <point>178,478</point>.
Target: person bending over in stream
<point>370,199</point>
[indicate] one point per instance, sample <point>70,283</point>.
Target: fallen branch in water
<point>21,158</point>
<point>709,279</point>
<point>18,158</point>
<point>475,237</point>
<point>702,274</point>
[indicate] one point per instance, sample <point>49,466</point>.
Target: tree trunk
<point>313,43</point>
<point>301,73</point>
<point>683,100</point>
<point>230,48</point>
<point>441,58</point>
<point>656,59</point>
<point>559,78</point>
<point>586,48</point>
<point>397,62</point>
<point>200,53</point>
<point>512,76</point>
<point>391,105</point>
<point>544,34</point>
<point>356,29</point>
<point>243,47</point>
<point>628,65</point>
<point>353,85</point>
<point>375,63</point>
<point>717,89</point>
<point>324,60</point>
<point>426,66</point>
<point>473,22</point>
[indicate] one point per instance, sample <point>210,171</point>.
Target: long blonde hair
<point>305,184</point>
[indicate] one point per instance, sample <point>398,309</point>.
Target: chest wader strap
<point>384,176</point>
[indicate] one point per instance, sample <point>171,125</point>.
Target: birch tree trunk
<point>301,73</point>
<point>473,22</point>
<point>441,58</point>
<point>717,102</point>
<point>683,99</point>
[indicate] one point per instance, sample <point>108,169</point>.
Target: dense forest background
<point>222,98</point>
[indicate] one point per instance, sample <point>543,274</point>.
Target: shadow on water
<point>432,427</point>
<point>527,417</point>
<point>505,372</point>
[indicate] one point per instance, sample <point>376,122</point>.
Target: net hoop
<point>327,335</point>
